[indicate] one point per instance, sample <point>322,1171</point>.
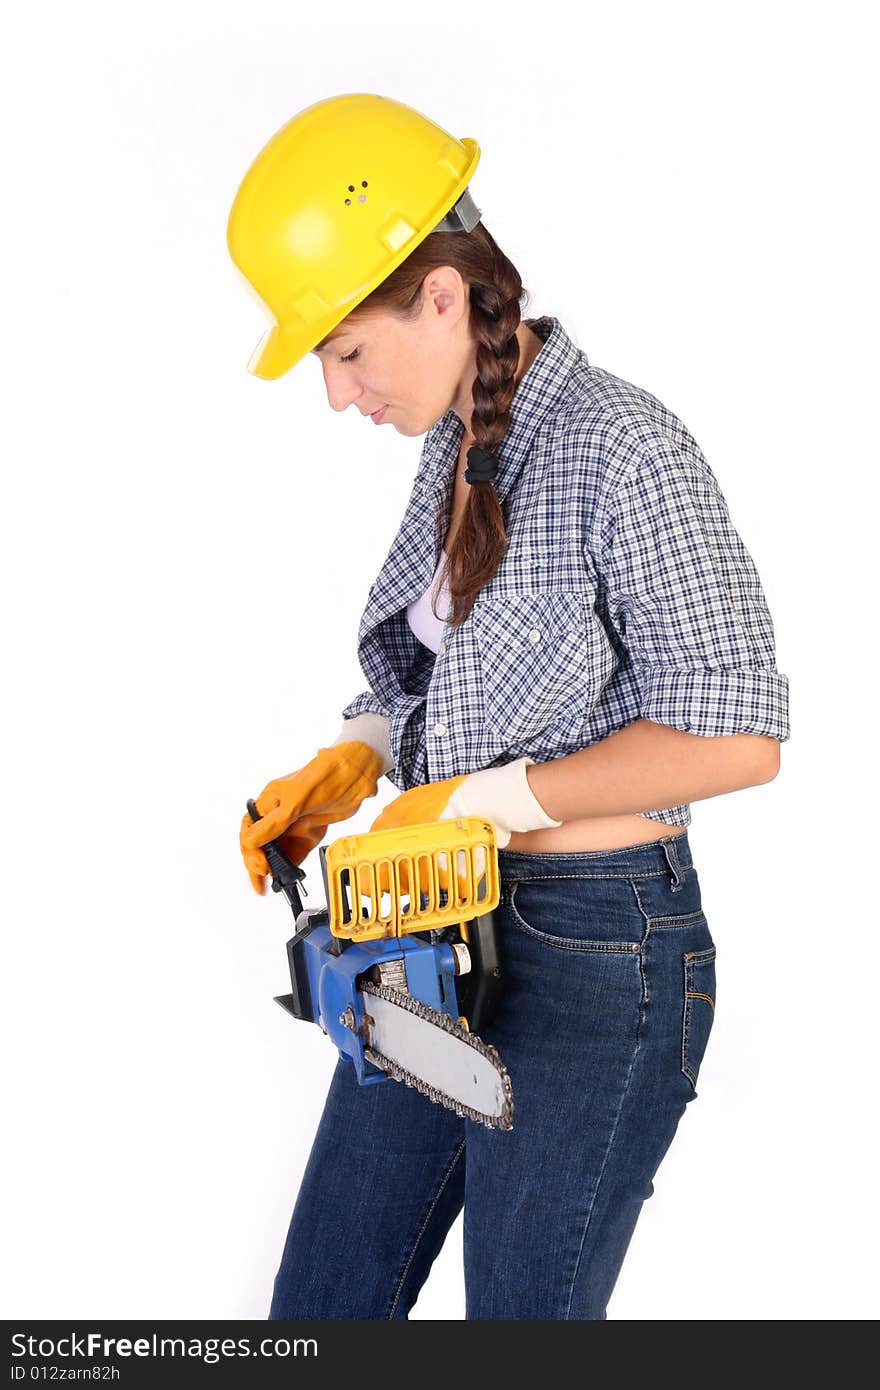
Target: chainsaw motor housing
<point>413,908</point>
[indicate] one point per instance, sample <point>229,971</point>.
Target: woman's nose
<point>341,393</point>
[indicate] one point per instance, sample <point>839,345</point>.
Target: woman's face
<point>417,369</point>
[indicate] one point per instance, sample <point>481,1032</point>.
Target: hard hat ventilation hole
<point>362,197</point>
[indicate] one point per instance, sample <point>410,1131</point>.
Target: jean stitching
<point>540,878</point>
<point>685,1039</point>
<point>646,997</point>
<point>568,943</point>
<point>692,958</point>
<point>437,1195</point>
<point>605,1160</point>
<point>687,919</point>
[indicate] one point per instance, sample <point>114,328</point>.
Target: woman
<point>568,637</point>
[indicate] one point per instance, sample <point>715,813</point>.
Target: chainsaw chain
<point>441,1020</point>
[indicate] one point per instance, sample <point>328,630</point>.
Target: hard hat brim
<point>274,355</point>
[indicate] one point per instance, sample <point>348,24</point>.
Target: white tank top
<point>426,627</point>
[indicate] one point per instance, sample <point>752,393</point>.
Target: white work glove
<point>499,794</point>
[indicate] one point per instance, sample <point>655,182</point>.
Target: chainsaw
<point>402,967</point>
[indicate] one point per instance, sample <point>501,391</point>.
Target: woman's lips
<point>378,415</point>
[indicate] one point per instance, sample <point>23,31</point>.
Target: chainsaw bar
<point>501,1117</point>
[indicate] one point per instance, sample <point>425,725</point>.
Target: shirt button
<point>442,648</point>
<point>535,635</point>
<point>440,729</point>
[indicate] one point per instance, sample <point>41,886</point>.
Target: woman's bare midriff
<point>598,832</point>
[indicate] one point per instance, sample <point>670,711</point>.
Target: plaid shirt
<point>625,591</point>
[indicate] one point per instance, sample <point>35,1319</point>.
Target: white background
<point>187,549</point>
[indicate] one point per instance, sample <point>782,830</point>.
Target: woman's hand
<point>499,794</point>
<point>296,843</point>
<point>297,809</point>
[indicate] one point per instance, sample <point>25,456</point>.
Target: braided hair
<point>496,295</point>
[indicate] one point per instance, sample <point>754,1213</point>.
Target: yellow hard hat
<point>333,203</point>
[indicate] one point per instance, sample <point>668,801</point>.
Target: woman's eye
<point>351,356</point>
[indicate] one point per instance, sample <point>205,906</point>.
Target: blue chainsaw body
<point>453,967</point>
<point>333,985</point>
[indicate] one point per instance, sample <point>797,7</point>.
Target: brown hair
<point>495,291</point>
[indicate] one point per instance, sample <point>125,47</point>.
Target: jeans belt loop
<point>669,850</point>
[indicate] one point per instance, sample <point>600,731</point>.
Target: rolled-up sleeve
<point>365,703</point>
<point>686,602</point>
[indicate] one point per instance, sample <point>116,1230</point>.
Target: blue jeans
<point>609,1001</point>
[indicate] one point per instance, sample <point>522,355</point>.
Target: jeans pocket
<point>699,1010</point>
<point>574,914</point>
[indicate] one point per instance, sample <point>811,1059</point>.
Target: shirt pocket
<point>543,658</point>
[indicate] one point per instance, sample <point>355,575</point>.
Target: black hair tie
<point>482,466</point>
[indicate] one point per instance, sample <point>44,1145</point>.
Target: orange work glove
<point>296,844</point>
<point>297,809</point>
<point>501,795</point>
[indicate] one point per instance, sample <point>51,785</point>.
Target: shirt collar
<point>537,396</point>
